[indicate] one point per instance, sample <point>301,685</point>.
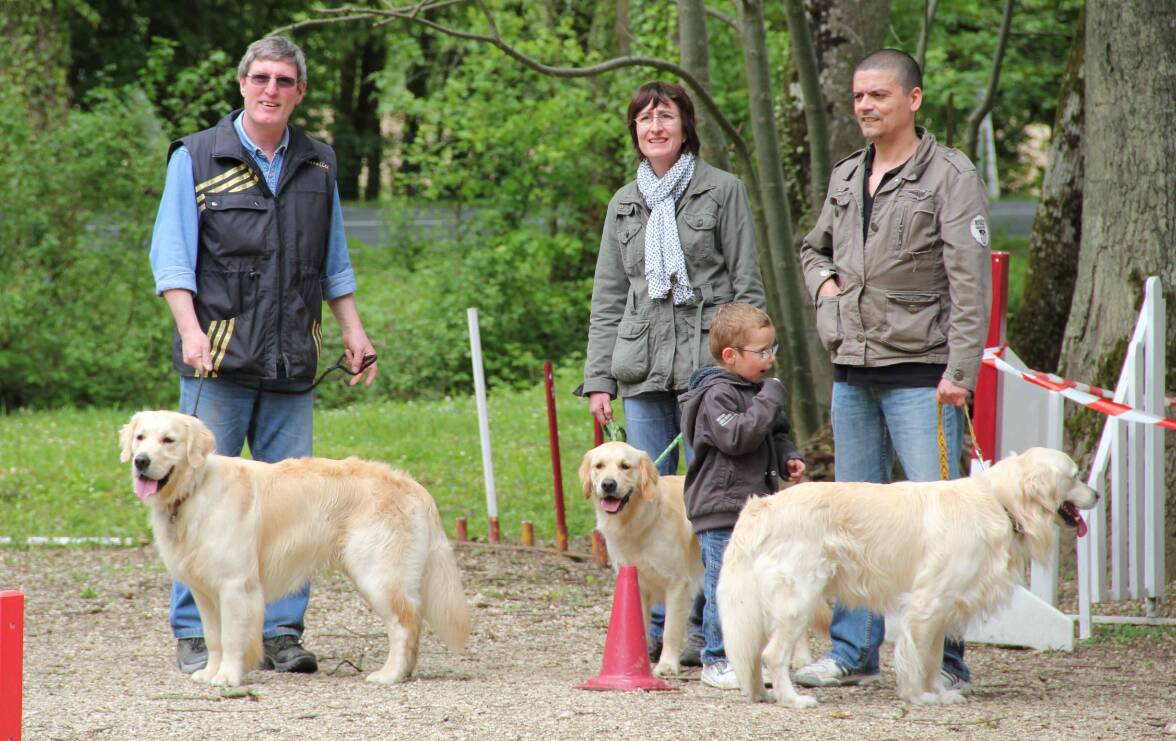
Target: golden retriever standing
<point>643,519</point>
<point>937,553</point>
<point>241,533</point>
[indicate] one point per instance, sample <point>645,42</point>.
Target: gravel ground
<point>99,663</point>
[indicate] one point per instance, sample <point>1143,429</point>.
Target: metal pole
<point>483,423</point>
<point>561,525</point>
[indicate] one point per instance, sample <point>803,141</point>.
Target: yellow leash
<point>942,439</point>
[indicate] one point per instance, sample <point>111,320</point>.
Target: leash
<point>942,440</point>
<point>664,453</point>
<point>366,363</point>
<point>613,432</point>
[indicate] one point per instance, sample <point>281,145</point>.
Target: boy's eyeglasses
<point>264,80</point>
<point>765,354</point>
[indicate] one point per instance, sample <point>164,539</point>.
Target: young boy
<point>734,420</point>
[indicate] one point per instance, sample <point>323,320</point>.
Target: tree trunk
<point>1036,330</point>
<point>34,56</point>
<point>816,117</point>
<point>845,31</point>
<point>796,366</point>
<point>1128,209</point>
<point>624,33</point>
<point>694,49</point>
<point>989,96</point>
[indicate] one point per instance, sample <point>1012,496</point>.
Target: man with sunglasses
<point>248,243</point>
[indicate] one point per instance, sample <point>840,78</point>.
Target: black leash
<point>367,362</point>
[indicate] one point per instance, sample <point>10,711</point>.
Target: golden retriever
<point>643,519</point>
<point>241,533</point>
<point>937,553</point>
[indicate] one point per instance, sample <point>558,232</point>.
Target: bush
<point>78,323</point>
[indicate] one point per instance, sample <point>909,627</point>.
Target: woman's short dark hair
<point>658,93</point>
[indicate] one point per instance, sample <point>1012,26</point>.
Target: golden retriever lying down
<point>937,553</point>
<point>241,533</point>
<point>643,519</point>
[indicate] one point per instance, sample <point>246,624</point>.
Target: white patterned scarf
<point>665,265</point>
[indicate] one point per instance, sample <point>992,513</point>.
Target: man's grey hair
<point>273,48</point>
<point>903,65</point>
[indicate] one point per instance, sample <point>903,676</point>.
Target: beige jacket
<point>918,289</point>
<point>637,345</point>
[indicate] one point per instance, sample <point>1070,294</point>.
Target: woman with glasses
<point>678,242</point>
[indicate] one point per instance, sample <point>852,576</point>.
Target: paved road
<point>366,224</point>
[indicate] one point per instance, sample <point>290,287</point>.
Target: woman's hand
<point>600,406</point>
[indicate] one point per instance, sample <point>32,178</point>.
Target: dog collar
<point>1017,529</point>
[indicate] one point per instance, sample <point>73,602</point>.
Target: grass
<point>60,474</point>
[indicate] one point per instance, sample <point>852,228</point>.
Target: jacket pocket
<point>829,321</point>
<point>917,232</point>
<point>629,228</point>
<point>912,322</point>
<point>697,232</point>
<point>630,357</point>
<point>234,224</point>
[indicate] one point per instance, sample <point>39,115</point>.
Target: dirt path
<point>99,664</point>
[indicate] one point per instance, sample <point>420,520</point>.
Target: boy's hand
<point>795,468</point>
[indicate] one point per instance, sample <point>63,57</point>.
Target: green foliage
<point>190,98</point>
<point>77,325</point>
<point>62,475</point>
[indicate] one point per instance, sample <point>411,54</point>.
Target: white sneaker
<point>952,682</point>
<point>826,672</point>
<point>720,675</point>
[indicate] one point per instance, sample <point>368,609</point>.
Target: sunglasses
<point>284,83</point>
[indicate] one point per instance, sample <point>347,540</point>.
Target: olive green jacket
<point>918,288</point>
<point>637,345</point>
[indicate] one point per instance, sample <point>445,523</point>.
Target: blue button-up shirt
<point>175,239</point>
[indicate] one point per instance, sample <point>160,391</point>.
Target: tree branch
<point>985,105</point>
<point>929,8</point>
<point>347,14</point>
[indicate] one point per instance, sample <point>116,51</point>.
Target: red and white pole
<point>11,663</point>
<point>561,523</point>
<point>987,386</point>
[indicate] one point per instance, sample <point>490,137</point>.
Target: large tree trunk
<point>845,31</point>
<point>1036,330</point>
<point>1128,209</point>
<point>34,56</point>
<point>694,52</point>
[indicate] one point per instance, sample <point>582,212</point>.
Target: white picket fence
<point>1122,555</point>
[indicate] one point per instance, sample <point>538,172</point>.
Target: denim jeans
<point>870,425</point>
<point>277,426</point>
<point>712,543</point>
<point>652,421</point>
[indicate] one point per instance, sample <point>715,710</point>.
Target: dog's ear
<point>586,474</point>
<point>201,442</point>
<point>649,478</point>
<point>125,435</point>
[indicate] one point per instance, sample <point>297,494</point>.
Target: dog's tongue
<point>145,487</point>
<point>1081,524</point>
<point>610,505</point>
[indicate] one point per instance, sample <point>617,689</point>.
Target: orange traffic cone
<point>626,658</point>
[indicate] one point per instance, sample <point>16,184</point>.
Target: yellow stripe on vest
<point>231,172</point>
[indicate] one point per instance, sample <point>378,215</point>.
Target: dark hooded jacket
<point>740,437</point>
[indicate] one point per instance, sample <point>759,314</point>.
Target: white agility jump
<point>1122,555</point>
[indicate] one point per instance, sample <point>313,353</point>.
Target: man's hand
<point>949,393</point>
<point>830,287</point>
<point>600,405</point>
<point>356,345</point>
<point>197,351</point>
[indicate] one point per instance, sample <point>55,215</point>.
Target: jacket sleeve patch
<point>980,230</point>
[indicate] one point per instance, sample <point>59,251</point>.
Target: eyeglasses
<point>645,120</point>
<point>284,83</point>
<point>765,354</point>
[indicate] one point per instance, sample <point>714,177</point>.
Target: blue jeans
<point>712,543</point>
<point>277,426</point>
<point>870,425</point>
<point>652,421</point>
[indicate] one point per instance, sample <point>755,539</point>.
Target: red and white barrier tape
<point>1169,401</point>
<point>1077,392</point>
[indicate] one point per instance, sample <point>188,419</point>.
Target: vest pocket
<point>912,322</point>
<point>630,357</point>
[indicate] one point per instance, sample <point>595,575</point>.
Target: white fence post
<point>483,422</point>
<point>1154,492</point>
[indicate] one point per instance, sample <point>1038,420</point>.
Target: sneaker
<point>191,654</point>
<point>826,672</point>
<point>952,682</point>
<point>655,647</point>
<point>690,655</point>
<point>720,675</point>
<point>285,653</point>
